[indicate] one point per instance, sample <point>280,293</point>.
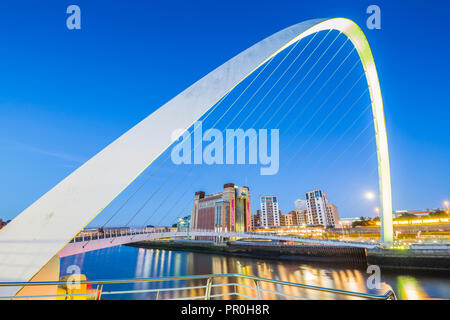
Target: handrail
<point>389,295</point>
<point>208,232</point>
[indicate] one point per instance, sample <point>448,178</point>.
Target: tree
<point>438,213</point>
<point>364,221</point>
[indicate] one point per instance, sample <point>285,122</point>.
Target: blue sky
<point>64,95</point>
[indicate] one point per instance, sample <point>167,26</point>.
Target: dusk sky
<point>66,94</point>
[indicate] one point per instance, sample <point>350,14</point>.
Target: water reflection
<point>410,289</point>
<point>124,262</point>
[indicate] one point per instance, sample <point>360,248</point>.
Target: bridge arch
<point>44,228</point>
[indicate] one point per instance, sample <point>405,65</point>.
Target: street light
<point>369,195</point>
<point>377,210</point>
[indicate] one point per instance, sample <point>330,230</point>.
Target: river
<point>123,262</point>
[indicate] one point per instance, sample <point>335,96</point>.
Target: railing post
<point>157,295</point>
<point>258,290</point>
<point>208,289</point>
<point>99,292</point>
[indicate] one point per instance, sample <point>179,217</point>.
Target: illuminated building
<point>287,219</point>
<point>333,216</point>
<point>300,217</point>
<point>348,222</point>
<point>228,210</point>
<point>184,224</point>
<point>270,214</point>
<point>319,211</point>
<point>303,231</point>
<point>417,222</point>
<point>316,203</point>
<point>417,213</point>
<point>256,219</point>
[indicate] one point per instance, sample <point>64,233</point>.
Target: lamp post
<point>369,195</point>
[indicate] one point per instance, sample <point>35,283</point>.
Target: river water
<point>123,262</point>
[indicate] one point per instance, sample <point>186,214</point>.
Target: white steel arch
<point>44,228</point>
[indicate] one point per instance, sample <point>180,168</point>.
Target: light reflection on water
<point>124,262</point>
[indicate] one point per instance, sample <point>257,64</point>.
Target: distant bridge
<point>85,243</point>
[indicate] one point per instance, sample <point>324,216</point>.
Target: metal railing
<point>260,293</point>
<point>114,233</point>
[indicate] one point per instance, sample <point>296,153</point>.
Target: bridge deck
<point>85,244</point>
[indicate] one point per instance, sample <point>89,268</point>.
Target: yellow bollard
<point>71,287</point>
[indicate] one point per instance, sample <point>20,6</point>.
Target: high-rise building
<point>270,214</point>
<point>228,210</point>
<point>316,203</point>
<point>319,211</point>
<point>333,216</point>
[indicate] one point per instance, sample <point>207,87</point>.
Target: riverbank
<point>337,255</point>
<point>412,259</point>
